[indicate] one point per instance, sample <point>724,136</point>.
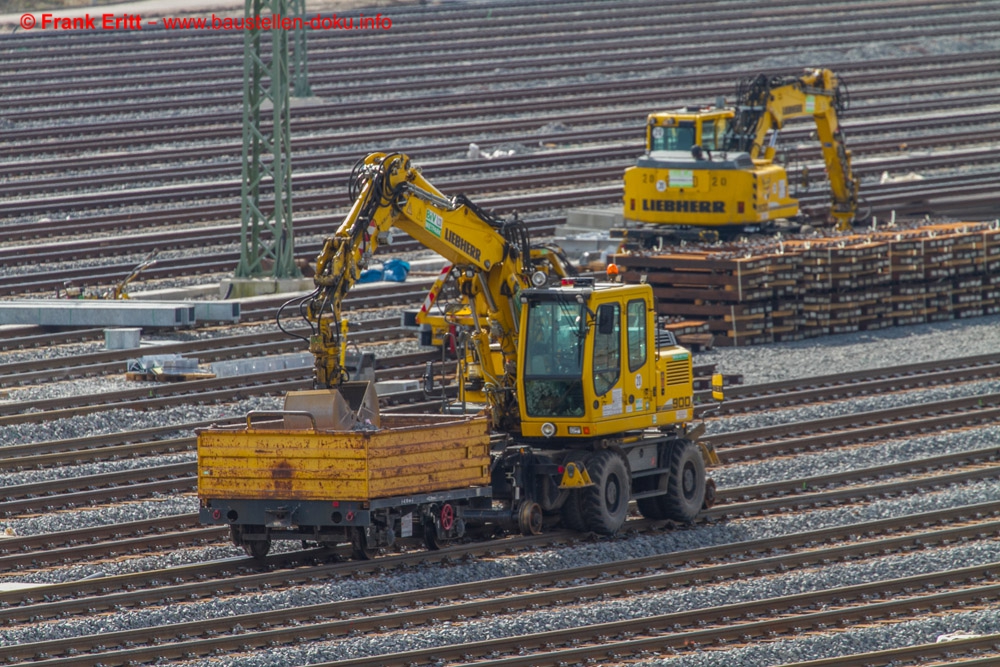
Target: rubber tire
<point>257,549</point>
<point>605,504</point>
<point>651,507</point>
<point>685,482</point>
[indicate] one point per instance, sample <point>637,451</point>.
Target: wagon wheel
<point>359,545</point>
<point>431,540</point>
<point>257,549</point>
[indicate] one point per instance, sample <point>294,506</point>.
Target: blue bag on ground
<point>395,270</point>
<point>370,276</point>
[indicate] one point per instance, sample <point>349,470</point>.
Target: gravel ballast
<point>760,364</point>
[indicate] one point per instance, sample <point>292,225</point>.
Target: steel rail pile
<point>781,290</point>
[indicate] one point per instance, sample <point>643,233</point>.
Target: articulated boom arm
<point>491,255</point>
<point>766,103</point>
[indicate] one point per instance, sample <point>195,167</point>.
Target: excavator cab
<point>684,129</point>
<point>591,366</point>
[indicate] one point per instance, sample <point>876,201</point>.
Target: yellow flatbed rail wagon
<point>405,479</point>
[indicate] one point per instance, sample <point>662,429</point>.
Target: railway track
<point>462,603</point>
<point>871,122</point>
<point>815,491</point>
<point>171,118</point>
<point>884,201</point>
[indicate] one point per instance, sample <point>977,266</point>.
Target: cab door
<point>622,380</point>
<point>636,363</point>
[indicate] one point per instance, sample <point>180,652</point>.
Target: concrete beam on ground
<point>96,313</point>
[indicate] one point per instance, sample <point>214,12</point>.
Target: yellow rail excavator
<point>118,291</point>
<point>710,171</point>
<point>445,309</point>
<point>586,402</point>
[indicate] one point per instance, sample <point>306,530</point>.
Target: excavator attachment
<point>352,406</point>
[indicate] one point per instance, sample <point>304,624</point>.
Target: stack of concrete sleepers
<point>793,289</point>
<point>845,281</point>
<point>731,294</point>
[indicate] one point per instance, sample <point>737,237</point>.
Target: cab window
<point>607,348</point>
<point>636,334</point>
<point>554,353</point>
<point>677,138</point>
<point>680,138</point>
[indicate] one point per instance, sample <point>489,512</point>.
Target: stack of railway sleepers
<point>786,319</point>
<point>693,334</point>
<point>844,280</point>
<point>990,271</point>
<point>729,293</point>
<point>801,288</point>
<point>938,271</point>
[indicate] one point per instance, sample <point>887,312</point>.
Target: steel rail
<point>866,425</point>
<point>984,133</point>
<point>634,121</point>
<point>453,107</point>
<point>106,49</point>
<point>535,201</point>
<point>751,398</point>
<point>417,76</point>
<point>678,631</point>
<point>965,652</point>
<point>853,494</point>
<point>522,14</point>
<point>240,575</point>
<point>31,336</point>
<point>787,488</point>
<point>208,349</point>
<point>952,588</point>
<point>797,494</point>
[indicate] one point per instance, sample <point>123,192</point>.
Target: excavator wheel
<point>685,482</point>
<point>605,504</point>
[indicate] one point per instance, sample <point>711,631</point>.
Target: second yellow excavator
<point>711,171</point>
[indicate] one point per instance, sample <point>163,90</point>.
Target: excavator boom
<point>488,253</point>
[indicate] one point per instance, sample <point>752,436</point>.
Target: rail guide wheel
<point>529,519</point>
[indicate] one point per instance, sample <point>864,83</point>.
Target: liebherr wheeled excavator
<point>711,171</point>
<point>587,403</point>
